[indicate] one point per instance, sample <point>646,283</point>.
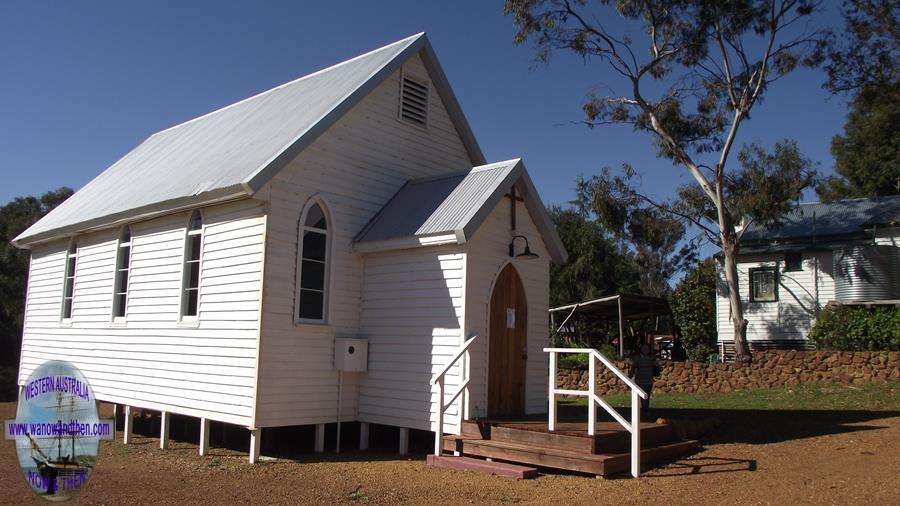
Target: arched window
<point>191,275</point>
<point>312,264</point>
<point>69,281</point>
<point>123,266</point>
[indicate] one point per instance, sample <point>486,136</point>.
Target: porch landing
<point>569,448</point>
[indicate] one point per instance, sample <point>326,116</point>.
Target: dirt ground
<point>774,457</point>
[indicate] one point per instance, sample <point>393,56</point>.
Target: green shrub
<point>580,360</point>
<point>694,308</point>
<point>571,361</point>
<point>857,329</point>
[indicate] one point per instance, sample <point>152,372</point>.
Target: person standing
<point>643,371</point>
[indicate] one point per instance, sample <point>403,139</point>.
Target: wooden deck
<point>569,448</point>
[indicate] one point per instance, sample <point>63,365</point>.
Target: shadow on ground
<point>733,426</point>
<point>294,442</point>
<point>760,426</point>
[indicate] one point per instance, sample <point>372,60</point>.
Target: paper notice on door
<point>510,318</point>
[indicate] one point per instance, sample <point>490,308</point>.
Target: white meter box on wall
<point>351,355</point>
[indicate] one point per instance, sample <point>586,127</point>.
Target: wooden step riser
<point>513,471</point>
<point>543,439</point>
<point>606,443</point>
<point>612,465</point>
<point>472,429</point>
<point>534,458</point>
<point>650,436</point>
<point>618,464</point>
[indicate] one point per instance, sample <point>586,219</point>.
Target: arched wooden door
<point>508,346</point>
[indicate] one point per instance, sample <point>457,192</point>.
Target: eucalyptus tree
<point>862,63</point>
<point>690,73</point>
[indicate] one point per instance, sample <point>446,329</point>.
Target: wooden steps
<point>568,448</point>
<point>482,466</point>
<point>606,440</point>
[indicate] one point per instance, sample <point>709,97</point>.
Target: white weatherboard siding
<point>356,166</point>
<point>800,295</point>
<point>487,253</point>
<point>412,315</point>
<point>204,370</point>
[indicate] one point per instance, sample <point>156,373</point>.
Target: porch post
<point>635,434</point>
<point>551,394</point>
<point>439,429</point>
<point>592,408</point>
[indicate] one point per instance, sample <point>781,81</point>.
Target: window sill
<point>188,324</point>
<point>312,324</point>
<point>118,322</point>
<point>66,322</point>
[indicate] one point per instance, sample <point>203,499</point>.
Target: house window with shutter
<point>193,249</point>
<point>414,100</point>
<point>313,252</point>
<point>69,281</point>
<point>123,267</point>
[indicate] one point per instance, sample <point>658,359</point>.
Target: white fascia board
<point>156,210</point>
<point>405,243</point>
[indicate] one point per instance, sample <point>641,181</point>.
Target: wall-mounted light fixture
<point>525,254</point>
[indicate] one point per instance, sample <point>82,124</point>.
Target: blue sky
<point>83,83</point>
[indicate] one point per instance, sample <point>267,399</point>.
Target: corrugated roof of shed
<point>843,217</point>
<point>232,151</point>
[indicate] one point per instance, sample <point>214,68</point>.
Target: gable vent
<point>414,101</point>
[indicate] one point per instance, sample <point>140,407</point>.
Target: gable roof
<point>838,219</point>
<point>449,209</point>
<point>232,152</point>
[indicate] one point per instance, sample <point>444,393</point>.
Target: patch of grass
<point>806,396</point>
<point>358,495</point>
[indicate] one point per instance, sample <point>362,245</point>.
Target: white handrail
<point>612,367</point>
<point>459,353</point>
<point>637,393</point>
<point>461,393</point>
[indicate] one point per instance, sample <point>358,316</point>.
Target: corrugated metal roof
<point>458,204</point>
<point>844,217</point>
<point>231,152</point>
<point>436,205</point>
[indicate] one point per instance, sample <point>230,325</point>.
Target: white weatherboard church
<point>216,270</point>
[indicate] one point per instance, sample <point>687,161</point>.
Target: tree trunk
<point>741,351</point>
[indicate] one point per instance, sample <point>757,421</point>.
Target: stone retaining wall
<point>771,368</point>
